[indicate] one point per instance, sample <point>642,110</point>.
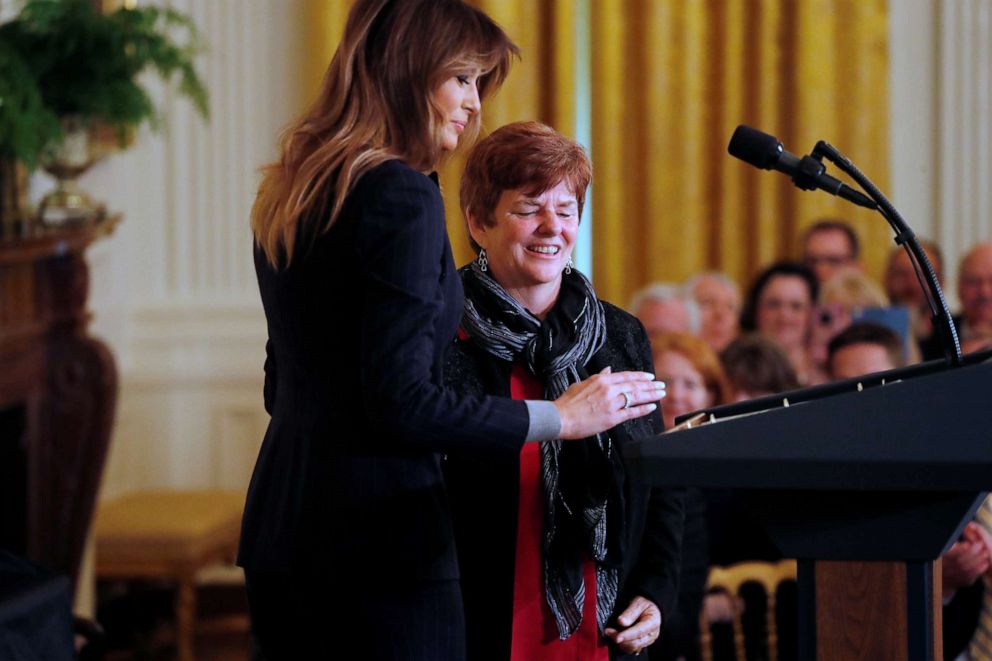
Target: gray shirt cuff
<point>545,423</point>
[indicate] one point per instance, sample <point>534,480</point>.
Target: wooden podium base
<point>882,611</point>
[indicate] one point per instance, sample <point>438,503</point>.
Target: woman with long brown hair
<point>346,540</point>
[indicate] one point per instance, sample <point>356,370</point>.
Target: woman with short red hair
<point>563,555</point>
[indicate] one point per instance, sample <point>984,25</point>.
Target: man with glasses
<point>829,246</point>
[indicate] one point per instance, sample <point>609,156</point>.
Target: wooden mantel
<point>58,389</point>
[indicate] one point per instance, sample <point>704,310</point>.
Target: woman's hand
<point>605,400</point>
<point>642,626</point>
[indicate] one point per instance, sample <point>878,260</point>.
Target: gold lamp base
<point>67,204</point>
<point>65,161</point>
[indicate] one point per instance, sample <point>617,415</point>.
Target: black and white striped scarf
<point>582,480</point>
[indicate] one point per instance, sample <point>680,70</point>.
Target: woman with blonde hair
<point>843,299</point>
<point>347,520</point>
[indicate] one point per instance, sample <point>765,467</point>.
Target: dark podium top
<point>888,471</point>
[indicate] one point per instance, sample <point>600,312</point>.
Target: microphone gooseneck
<point>766,152</point>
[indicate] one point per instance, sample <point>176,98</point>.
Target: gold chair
<point>769,575</point>
<point>171,535</point>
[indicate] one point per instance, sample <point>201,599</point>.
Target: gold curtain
<point>671,79</point>
<point>322,22</point>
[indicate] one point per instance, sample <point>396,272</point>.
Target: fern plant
<point>87,64</point>
<point>26,125</point>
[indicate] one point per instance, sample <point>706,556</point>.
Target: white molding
<point>179,344</point>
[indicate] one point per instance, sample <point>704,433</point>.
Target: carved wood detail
<point>64,380</point>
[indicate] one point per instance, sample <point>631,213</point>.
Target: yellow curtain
<point>671,79</point>
<point>322,23</point>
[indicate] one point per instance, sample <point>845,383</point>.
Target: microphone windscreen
<point>752,146</point>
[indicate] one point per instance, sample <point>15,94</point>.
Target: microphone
<point>808,173</point>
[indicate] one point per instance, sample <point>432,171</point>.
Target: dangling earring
<point>568,266</point>
<point>482,260</point>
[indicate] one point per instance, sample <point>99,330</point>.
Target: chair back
<point>769,575</point>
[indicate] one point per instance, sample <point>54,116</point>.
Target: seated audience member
<point>694,380</point>
<point>904,288</point>
<point>963,589</point>
<point>850,290</point>
<point>779,306</point>
<point>716,521</point>
<point>863,348</point>
<point>830,246</point>
<point>561,552</point>
<point>664,308</point>
<point>843,299</point>
<point>756,366</point>
<point>975,292</point>
<point>719,301</point>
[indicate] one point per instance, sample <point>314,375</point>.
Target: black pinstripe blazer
<point>348,478</point>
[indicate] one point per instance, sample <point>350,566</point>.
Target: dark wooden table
<point>58,389</point>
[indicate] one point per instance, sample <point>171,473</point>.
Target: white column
<point>941,87</point>
<point>174,290</point>
<point>912,84</point>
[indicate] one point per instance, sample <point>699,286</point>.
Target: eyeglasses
<point>827,260</point>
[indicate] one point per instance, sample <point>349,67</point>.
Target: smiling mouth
<point>544,250</point>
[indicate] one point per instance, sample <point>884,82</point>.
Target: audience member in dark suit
<point>695,380</point>
<point>346,526</point>
<point>563,555</point>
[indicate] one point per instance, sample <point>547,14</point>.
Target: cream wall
<point>941,146</point>
<point>173,291</point>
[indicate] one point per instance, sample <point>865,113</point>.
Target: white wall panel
<point>174,289</point>
<point>941,139</point>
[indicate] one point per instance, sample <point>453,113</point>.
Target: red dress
<point>535,634</point>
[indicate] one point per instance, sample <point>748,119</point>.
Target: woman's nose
<point>550,222</point>
<point>471,102</point>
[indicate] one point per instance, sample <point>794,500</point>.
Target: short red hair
<point>528,156</point>
<point>702,357</point>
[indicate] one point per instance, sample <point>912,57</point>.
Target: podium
<point>866,482</point>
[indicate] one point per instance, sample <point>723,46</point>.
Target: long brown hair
<point>375,104</point>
